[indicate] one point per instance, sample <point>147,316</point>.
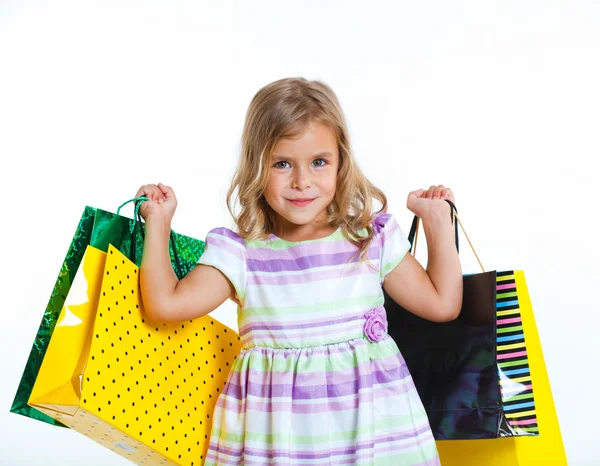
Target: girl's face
<point>303,168</point>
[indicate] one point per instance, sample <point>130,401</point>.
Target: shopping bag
<point>547,448</point>
<point>143,389</point>
<point>71,263</point>
<point>474,374</point>
<point>97,228</point>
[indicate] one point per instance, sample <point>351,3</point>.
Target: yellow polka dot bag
<point>145,390</point>
<point>97,228</point>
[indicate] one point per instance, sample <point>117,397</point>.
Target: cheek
<point>331,186</point>
<point>268,193</point>
<point>273,187</point>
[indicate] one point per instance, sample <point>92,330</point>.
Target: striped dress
<point>318,380</point>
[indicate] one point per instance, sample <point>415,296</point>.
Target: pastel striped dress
<point>318,380</point>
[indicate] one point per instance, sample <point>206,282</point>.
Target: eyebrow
<point>321,154</point>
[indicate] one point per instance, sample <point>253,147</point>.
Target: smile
<point>301,203</point>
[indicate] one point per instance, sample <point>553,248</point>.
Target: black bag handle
<point>412,235</point>
<point>415,225</point>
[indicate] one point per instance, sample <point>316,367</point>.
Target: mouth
<point>300,202</point>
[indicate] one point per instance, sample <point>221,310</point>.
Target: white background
<point>497,100</point>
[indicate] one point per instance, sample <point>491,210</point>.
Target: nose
<point>301,178</point>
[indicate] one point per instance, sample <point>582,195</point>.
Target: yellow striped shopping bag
<point>482,377</point>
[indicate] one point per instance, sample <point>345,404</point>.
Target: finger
<point>157,193</point>
<point>152,192</point>
<point>148,191</point>
<point>164,189</point>
<point>167,191</point>
<point>417,193</point>
<point>143,191</point>
<point>430,192</point>
<point>160,197</point>
<point>437,192</point>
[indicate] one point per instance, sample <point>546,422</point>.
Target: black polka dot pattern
<point>149,388</point>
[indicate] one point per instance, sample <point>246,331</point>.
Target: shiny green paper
<point>96,228</point>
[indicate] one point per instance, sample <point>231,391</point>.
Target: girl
<point>318,381</point>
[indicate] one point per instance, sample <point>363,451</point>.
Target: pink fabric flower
<point>376,324</point>
<point>379,221</point>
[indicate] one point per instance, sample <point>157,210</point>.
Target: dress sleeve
<point>394,243</point>
<point>226,251</point>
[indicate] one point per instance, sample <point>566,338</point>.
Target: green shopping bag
<point>96,228</point>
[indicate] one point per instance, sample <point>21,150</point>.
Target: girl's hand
<point>421,202</point>
<point>162,201</point>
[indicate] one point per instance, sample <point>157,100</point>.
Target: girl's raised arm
<point>166,298</point>
<point>436,293</point>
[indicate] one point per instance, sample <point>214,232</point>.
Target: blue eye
<point>276,165</point>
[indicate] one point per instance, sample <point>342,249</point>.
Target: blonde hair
<point>283,109</point>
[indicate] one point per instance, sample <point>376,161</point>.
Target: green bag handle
<point>136,212</point>
<point>133,230</point>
